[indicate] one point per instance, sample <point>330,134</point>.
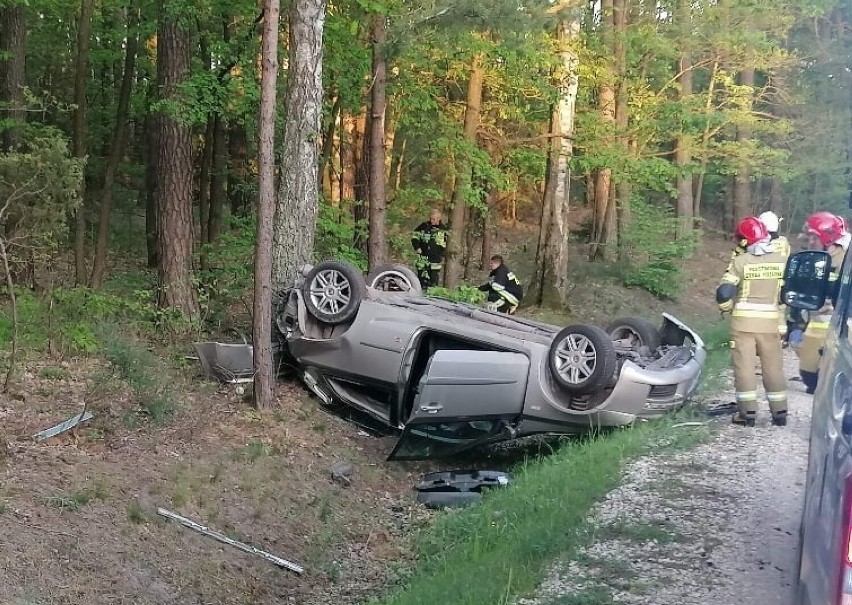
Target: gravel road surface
<point>715,525</point>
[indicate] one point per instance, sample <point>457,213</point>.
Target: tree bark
<point>622,118</point>
<point>604,226</point>
<point>78,145</point>
<point>13,36</point>
<point>116,148</point>
<point>348,157</point>
<point>683,155</point>
<point>175,168</point>
<point>563,146</point>
<point>328,140</point>
<point>296,216</point>
<point>742,180</point>
<point>377,246</point>
<point>238,175</point>
<point>152,161</point>
<point>360,207</point>
<point>264,375</point>
<point>218,179</point>
<point>205,168</point>
<point>455,237</point>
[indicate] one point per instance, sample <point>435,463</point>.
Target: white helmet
<point>770,221</point>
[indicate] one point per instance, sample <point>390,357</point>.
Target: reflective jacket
<point>503,286</point>
<point>431,240</point>
<point>758,281</point>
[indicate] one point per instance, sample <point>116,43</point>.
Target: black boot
<point>810,381</point>
<point>779,418</point>
<point>744,420</point>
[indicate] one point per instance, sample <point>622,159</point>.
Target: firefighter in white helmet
<point>771,221</point>
<point>749,291</point>
<point>828,232</point>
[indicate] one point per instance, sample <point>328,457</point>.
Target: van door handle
<point>432,408</point>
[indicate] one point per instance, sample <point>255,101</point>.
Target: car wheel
<point>394,278</point>
<point>640,332</point>
<point>582,359</point>
<point>333,291</point>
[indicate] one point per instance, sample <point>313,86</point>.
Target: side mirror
<point>806,283</point>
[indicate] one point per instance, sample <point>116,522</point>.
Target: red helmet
<point>825,226</point>
<point>751,230</point>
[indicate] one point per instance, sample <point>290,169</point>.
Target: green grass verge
<point>500,548</point>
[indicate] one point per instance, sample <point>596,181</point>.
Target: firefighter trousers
<point>808,352</point>
<point>747,348</point>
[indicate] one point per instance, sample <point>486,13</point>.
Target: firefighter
<point>430,243</point>
<point>827,232</point>
<point>749,291</point>
<point>504,290</point>
<point>771,221</point>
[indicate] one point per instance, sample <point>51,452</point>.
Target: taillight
<point>844,591</point>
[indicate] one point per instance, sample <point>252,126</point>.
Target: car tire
<point>582,359</point>
<point>641,331</point>
<point>394,278</point>
<point>333,292</point>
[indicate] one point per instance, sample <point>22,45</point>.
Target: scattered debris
<point>63,426</point>
<point>683,424</point>
<point>342,472</point>
<point>231,363</point>
<point>226,540</point>
<point>450,489</point>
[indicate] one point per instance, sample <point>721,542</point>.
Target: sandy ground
<point>715,525</point>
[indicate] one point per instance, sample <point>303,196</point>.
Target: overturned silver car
<point>451,376</point>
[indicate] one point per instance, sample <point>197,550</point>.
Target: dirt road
<point>714,525</point>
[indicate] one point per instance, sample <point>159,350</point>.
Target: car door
<point>463,399</point>
<point>825,535</point>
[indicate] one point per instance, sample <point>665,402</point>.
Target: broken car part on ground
<point>452,376</point>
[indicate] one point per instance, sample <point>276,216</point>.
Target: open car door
<point>464,398</point>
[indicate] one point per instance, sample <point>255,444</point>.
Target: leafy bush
<point>465,294</point>
<point>656,256</point>
<point>229,271</point>
<point>337,231</point>
<point>142,371</point>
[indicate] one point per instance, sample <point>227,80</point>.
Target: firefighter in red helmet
<point>749,291</point>
<point>828,232</point>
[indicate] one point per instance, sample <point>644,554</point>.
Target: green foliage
<point>229,273</point>
<point>655,254</point>
<point>53,373</point>
<point>142,371</point>
<point>39,187</point>
<point>466,294</point>
<point>337,230</point>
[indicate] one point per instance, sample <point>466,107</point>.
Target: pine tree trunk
<point>604,227</point>
<point>742,180</point>
<point>377,241</point>
<point>116,148</point>
<point>360,207</point>
<point>622,117</point>
<point>78,144</point>
<point>238,175</point>
<point>328,140</point>
<point>264,375</point>
<point>152,160</point>
<point>175,168</point>
<point>296,216</point>
<point>455,237</point>
<point>683,156</point>
<point>205,168</point>
<point>218,179</point>
<point>348,157</point>
<point>13,37</point>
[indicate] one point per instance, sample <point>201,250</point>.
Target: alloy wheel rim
<point>330,291</point>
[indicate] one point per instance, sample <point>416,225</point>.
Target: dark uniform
<point>430,243</point>
<point>504,290</point>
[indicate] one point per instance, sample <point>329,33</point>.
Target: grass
<point>514,533</point>
<point>639,532</point>
<point>53,373</point>
<point>136,513</point>
<point>4,506</point>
